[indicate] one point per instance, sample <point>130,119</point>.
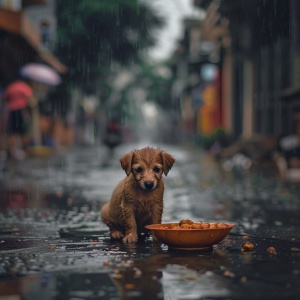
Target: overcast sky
<point>173,11</point>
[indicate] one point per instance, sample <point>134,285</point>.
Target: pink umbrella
<point>40,73</point>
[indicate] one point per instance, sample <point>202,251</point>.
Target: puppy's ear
<point>168,161</point>
<point>126,162</point>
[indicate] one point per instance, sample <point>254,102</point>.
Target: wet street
<point>54,246</point>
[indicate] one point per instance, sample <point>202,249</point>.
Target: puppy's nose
<point>149,185</point>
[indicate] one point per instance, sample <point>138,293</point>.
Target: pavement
<point>54,246</point>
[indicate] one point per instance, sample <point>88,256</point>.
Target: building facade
<point>256,47</point>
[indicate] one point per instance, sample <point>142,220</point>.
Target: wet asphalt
<point>54,246</point>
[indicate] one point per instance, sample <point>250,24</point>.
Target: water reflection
<point>180,282</point>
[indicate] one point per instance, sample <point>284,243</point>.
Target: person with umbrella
<point>18,97</point>
<point>42,78</point>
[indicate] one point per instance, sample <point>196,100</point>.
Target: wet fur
<point>138,199</point>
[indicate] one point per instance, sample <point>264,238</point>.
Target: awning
<point>49,58</point>
<point>18,23</point>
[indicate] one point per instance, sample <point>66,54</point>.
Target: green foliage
<point>157,85</point>
<point>93,35</point>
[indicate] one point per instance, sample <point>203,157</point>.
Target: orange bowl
<point>189,239</point>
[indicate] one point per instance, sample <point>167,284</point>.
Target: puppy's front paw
<point>130,238</point>
<point>116,234</point>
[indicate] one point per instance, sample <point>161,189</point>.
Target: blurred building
<point>22,40</point>
<point>196,85</point>
<point>27,35</point>
<point>255,46</point>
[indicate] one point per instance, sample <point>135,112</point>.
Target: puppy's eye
<point>138,169</point>
<point>156,169</point>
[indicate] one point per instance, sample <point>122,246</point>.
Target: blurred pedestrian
<point>18,98</point>
<point>113,133</point>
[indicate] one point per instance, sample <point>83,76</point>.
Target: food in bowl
<point>189,224</point>
<point>189,235</point>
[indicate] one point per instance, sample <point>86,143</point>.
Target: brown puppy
<point>138,199</point>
